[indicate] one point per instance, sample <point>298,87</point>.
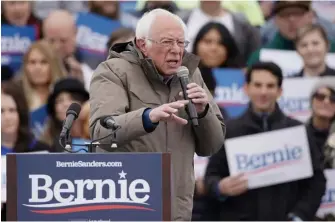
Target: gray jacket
<point>124,86</point>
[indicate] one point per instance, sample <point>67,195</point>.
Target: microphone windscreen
<point>182,72</point>
<point>74,109</point>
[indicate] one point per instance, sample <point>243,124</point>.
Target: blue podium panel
<point>115,186</point>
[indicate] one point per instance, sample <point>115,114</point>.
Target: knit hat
<point>70,85</point>
<point>326,81</point>
<point>280,5</point>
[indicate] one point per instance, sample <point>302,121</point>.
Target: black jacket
<point>275,202</point>
<point>320,136</point>
<point>327,72</point>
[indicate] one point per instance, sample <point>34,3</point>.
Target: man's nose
<point>264,90</point>
<point>175,48</point>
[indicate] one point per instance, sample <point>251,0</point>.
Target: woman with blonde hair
<point>40,70</point>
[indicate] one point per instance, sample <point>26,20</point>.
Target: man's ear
<point>141,44</point>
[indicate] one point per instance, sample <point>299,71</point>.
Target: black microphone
<point>183,74</point>
<point>72,114</point>
<point>108,122</point>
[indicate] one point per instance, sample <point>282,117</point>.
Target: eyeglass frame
<point>322,97</point>
<point>171,43</point>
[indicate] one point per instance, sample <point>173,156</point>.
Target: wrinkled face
<point>9,115</point>
<point>62,103</point>
<point>38,69</point>
<point>263,90</point>
<point>323,103</point>
<point>289,20</point>
<point>165,46</point>
<point>313,49</point>
<point>62,37</point>
<point>211,50</point>
<point>17,12</point>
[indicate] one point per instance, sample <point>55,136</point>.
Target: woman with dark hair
<point>323,109</point>
<point>15,132</point>
<point>312,44</point>
<point>216,47</point>
<point>65,92</point>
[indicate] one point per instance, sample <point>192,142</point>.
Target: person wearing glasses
<point>323,109</point>
<point>138,86</point>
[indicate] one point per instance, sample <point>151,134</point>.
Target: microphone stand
<point>92,146</point>
<point>95,143</point>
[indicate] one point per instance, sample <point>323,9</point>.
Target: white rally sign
<point>3,179</point>
<point>328,201</point>
<point>290,61</point>
<point>200,165</point>
<point>270,158</point>
<point>296,103</point>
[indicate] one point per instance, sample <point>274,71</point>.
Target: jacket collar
<point>328,72</point>
<point>280,42</point>
<point>276,115</point>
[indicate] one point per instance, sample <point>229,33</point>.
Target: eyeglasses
<point>169,43</point>
<point>321,97</point>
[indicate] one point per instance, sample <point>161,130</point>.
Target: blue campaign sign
<point>127,6</point>
<point>15,41</point>
<point>92,37</point>
<point>229,91</point>
<point>38,119</point>
<point>121,187</point>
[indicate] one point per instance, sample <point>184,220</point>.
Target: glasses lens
<point>320,96</point>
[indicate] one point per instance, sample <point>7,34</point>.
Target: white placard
<point>296,103</point>
<point>289,61</point>
<point>270,158</point>
<point>328,201</point>
<point>38,152</point>
<point>3,179</point>
<point>200,165</point>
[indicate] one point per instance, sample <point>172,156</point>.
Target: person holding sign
<point>295,200</point>
<point>139,88</point>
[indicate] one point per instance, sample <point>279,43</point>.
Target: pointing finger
<point>178,104</point>
<point>169,109</point>
<point>179,120</point>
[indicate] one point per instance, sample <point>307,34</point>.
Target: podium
<point>89,187</point>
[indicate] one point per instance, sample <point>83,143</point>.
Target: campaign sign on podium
<point>62,187</point>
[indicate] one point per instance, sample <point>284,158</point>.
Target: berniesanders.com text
<point>88,164</point>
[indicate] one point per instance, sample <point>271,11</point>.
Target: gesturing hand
<point>167,112</point>
<point>198,95</point>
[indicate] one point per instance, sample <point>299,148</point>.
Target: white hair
<point>143,27</point>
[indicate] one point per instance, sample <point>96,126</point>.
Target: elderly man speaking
<point>138,86</point>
